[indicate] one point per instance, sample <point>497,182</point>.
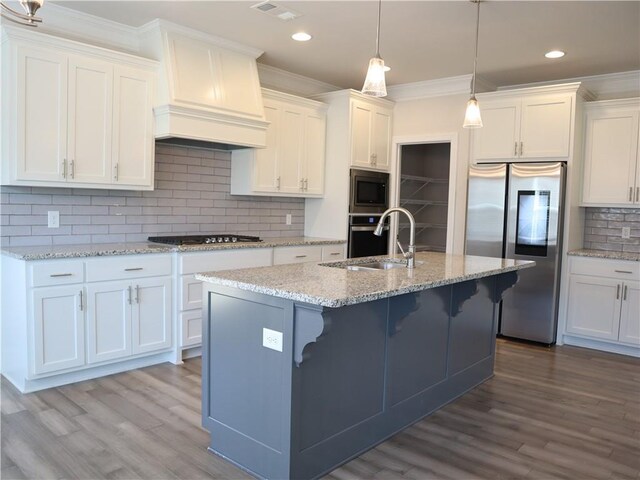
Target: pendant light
<point>28,18</point>
<point>472,118</point>
<point>374,83</point>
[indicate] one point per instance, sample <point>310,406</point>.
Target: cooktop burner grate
<point>203,239</point>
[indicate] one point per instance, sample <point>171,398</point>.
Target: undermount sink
<point>377,266</point>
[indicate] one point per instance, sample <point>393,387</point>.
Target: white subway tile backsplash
<point>191,197</point>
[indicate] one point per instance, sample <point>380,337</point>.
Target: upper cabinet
<point>534,124</point>
<point>611,165</point>
<point>75,115</point>
<point>292,164</point>
<point>370,135</point>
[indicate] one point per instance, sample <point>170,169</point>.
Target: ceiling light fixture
<point>374,83</point>
<point>554,54</point>
<point>30,7</point>
<point>301,37</point>
<point>386,68</point>
<point>472,118</point>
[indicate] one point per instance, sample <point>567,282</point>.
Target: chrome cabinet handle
<point>301,256</point>
<point>278,183</point>
<point>306,184</point>
<point>136,269</point>
<point>631,194</point>
<point>302,184</point>
<point>81,302</point>
<point>129,294</point>
<point>624,295</point>
<point>521,148</point>
<point>115,172</point>
<point>137,293</point>
<point>336,253</point>
<point>56,275</point>
<point>618,292</point>
<point>515,149</point>
<point>72,167</point>
<point>64,168</point>
<point>623,271</point>
<point>637,194</point>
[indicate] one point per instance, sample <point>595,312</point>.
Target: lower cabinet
<point>58,328</point>
<point>604,300</point>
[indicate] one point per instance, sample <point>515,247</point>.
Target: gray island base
<point>334,381</point>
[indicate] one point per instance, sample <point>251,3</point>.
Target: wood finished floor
<point>563,412</point>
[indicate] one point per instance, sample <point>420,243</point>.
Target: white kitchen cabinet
<point>58,328</point>
<point>293,162</point>
<point>77,115</point>
<point>108,321</point>
<point>611,165</point>
<point>524,126</point>
<point>604,301</point>
<point>151,315</point>
<point>370,135</point>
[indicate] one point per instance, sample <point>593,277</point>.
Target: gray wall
<point>603,229</point>
<point>191,196</point>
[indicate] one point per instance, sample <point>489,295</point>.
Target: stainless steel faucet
<point>410,255</point>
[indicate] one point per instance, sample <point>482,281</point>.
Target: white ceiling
<point>421,40</point>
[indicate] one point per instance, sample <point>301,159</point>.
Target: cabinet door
<point>58,328</point>
<point>610,157</point>
<point>381,139</point>
<point>498,137</point>
<point>630,314</point>
<point>151,314</point>
<point>361,126</point>
<point>108,321</point>
<point>191,328</point>
<point>314,157</point>
<point>41,136</point>
<point>545,130</point>
<point>290,150</point>
<point>133,140</point>
<point>594,306</point>
<point>265,171</point>
<point>89,121</point>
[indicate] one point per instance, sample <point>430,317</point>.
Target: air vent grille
<point>274,10</point>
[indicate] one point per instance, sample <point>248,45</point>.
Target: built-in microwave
<point>369,191</point>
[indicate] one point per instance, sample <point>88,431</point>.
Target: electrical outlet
<point>272,339</point>
<point>626,232</point>
<point>288,219</point>
<point>53,219</point>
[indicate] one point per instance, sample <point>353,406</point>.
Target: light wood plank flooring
<point>562,412</point>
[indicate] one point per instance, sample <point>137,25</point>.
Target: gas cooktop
<point>202,239</point>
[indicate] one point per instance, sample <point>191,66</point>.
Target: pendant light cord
<point>475,58</point>
<point>378,30</point>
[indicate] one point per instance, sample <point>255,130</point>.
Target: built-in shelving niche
<point>424,191</point>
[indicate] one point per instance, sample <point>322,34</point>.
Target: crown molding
<point>165,25</point>
<point>552,87</point>
<point>349,94</point>
<point>287,97</point>
<point>292,83</point>
<point>603,87</point>
<point>83,27</point>
<point>437,88</point>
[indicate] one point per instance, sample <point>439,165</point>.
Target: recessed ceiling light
<point>554,54</point>
<point>386,68</point>
<point>301,37</point>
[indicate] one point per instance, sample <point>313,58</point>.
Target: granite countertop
<point>136,248</point>
<point>585,252</point>
<point>329,286</point>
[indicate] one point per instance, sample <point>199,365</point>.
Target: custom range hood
<point>208,88</point>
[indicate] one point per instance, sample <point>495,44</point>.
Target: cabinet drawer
<point>333,252</point>
<point>284,255</point>
<point>605,268</point>
<point>224,260</point>
<point>124,267</point>
<point>57,272</point>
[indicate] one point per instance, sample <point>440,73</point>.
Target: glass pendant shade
<point>31,6</point>
<point>374,83</point>
<point>472,118</point>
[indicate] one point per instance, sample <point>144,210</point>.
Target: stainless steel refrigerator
<point>515,211</point>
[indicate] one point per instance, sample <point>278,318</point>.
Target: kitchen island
<point>306,366</point>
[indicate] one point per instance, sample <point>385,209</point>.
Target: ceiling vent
<point>274,10</point>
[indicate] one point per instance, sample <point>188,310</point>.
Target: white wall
<point>434,116</point>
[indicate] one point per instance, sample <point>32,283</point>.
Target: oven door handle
<point>365,229</point>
